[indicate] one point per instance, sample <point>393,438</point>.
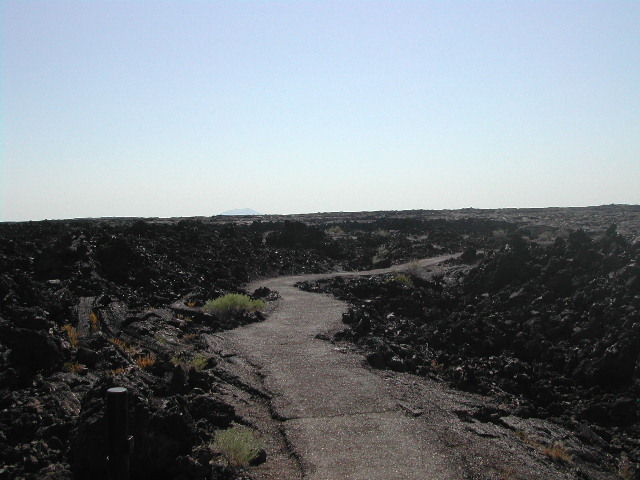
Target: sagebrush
<point>233,303</point>
<point>239,445</point>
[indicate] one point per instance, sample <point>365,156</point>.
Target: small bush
<point>233,303</point>
<point>413,268</point>
<point>240,446</point>
<point>402,279</point>
<point>199,361</point>
<point>381,254</point>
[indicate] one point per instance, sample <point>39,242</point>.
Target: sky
<point>186,108</point>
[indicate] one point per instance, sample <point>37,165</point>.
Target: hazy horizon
<point>227,213</point>
<point>179,109</point>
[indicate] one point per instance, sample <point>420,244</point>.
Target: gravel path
<point>341,419</point>
<point>344,421</point>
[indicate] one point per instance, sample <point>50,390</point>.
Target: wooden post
<point>120,443</point>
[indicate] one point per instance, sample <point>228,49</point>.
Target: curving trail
<point>341,420</point>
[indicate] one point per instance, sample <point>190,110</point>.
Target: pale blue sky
<point>180,108</point>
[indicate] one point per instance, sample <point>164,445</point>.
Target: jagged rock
<point>213,410</point>
<point>376,360</point>
<point>554,326</point>
<point>59,273</point>
<point>34,350</point>
<point>87,357</point>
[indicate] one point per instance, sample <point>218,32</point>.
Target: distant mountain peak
<point>241,211</point>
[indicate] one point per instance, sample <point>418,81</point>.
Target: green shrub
<point>402,279</point>
<point>381,254</point>
<point>232,303</point>
<point>413,268</point>
<point>239,445</point>
<point>199,361</point>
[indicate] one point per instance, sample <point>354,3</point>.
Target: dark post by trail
<point>120,443</point>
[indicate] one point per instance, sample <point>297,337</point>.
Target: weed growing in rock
<point>233,303</point>
<point>240,446</point>
<point>508,475</point>
<point>381,254</point>
<point>402,279</point>
<point>558,453</point>
<point>127,347</point>
<point>413,268</point>
<point>199,361</point>
<point>94,321</point>
<point>72,333</point>
<point>526,438</point>
<point>190,337</point>
<point>146,361</point>
<point>625,469</point>
<point>74,367</point>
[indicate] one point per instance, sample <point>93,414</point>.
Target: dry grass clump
<point>74,367</point>
<point>190,337</point>
<point>526,438</point>
<point>146,361</point>
<point>72,333</point>
<point>626,470</point>
<point>94,321</point>
<point>509,474</point>
<point>558,453</point>
<point>120,343</point>
<point>127,347</point>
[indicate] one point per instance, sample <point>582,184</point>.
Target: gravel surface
<point>340,419</point>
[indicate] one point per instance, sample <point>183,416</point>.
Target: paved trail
<point>342,420</point>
